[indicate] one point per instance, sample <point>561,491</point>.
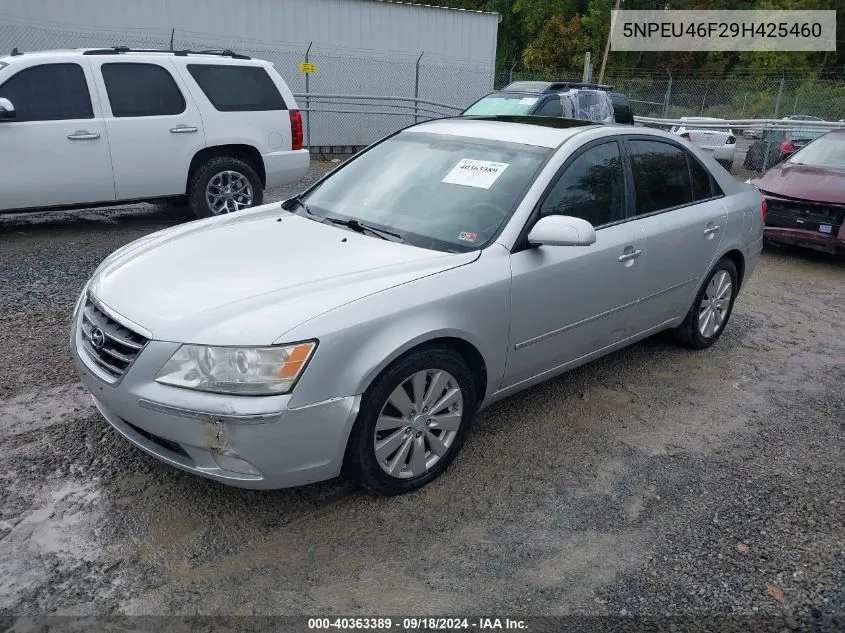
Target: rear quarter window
<point>232,88</point>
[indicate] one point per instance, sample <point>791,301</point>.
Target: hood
<point>247,279</point>
<point>804,182</point>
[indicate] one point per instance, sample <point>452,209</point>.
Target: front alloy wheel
<point>418,423</point>
<point>413,421</point>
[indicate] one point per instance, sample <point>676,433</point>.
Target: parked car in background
<point>718,142</point>
<point>108,126</point>
<point>359,327</point>
<point>780,144</point>
<point>805,195</point>
<point>592,102</point>
<point>757,133</point>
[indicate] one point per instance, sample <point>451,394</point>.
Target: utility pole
<point>607,44</point>
<point>587,76</point>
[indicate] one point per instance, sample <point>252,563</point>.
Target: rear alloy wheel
<point>223,185</point>
<point>413,421</point>
<point>712,307</point>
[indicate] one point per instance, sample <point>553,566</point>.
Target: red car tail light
<point>764,209</point>
<point>787,147</point>
<point>296,133</point>
<point>685,136</point>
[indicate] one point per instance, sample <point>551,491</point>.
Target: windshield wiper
<point>359,227</point>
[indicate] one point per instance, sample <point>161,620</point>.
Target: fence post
<point>308,101</point>
<point>704,100</point>
<point>510,72</point>
<point>417,89</point>
<point>795,103</point>
<point>667,96</point>
<point>744,100</point>
<point>775,116</point>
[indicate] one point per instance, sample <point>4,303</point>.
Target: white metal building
<point>369,47</point>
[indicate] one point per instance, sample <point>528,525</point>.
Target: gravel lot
<point>656,481</point>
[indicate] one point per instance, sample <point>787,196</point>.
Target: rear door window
<point>661,175</point>
<point>233,88</point>
<point>703,184</point>
<point>136,90</point>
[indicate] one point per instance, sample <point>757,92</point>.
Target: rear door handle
<point>711,229</point>
<point>183,129</point>
<point>83,135</point>
<point>629,256</point>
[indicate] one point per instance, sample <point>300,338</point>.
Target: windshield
<point>502,104</point>
<point>824,152</point>
<point>447,193</point>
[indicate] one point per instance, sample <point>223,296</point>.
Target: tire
<point>752,160</point>
<point>399,443</point>
<point>690,331</point>
<point>214,167</point>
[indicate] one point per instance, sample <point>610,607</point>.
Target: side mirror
<point>562,230</point>
<point>7,110</point>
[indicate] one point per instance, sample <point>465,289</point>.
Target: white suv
<point>104,126</point>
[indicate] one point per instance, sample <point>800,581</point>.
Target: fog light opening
<point>235,464</point>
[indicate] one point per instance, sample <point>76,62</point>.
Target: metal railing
<point>330,110</point>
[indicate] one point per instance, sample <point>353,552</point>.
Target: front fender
<point>358,340</point>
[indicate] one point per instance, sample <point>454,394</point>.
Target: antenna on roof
<point>172,33</point>
<point>16,52</point>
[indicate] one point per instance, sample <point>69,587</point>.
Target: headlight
<point>246,371</point>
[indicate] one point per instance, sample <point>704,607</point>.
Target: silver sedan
<point>359,327</point>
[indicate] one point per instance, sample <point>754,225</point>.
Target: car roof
<point>527,130</point>
<point>124,52</point>
<point>535,87</point>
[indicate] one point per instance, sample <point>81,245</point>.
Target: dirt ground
<point>656,481</point>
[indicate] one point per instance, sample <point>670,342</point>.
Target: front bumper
<point>824,242</point>
<point>249,442</point>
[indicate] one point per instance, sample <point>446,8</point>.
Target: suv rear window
<point>233,88</point>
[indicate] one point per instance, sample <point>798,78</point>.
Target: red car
<point>805,195</point>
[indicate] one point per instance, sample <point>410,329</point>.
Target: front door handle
<point>711,229</point>
<point>83,135</point>
<point>183,129</point>
<point>629,256</point>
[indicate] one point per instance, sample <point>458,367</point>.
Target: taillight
<point>731,140</point>
<point>787,147</point>
<point>685,136</point>
<point>764,209</point>
<point>296,133</point>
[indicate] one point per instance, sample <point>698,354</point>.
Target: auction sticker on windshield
<point>475,173</point>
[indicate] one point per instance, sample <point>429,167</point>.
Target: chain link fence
<point>662,94</point>
<point>330,127</point>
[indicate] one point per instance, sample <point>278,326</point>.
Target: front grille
<point>110,345</point>
<point>800,214</point>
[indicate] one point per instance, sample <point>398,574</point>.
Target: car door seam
<point>101,107</point>
<point>572,326</point>
<point>654,295</point>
